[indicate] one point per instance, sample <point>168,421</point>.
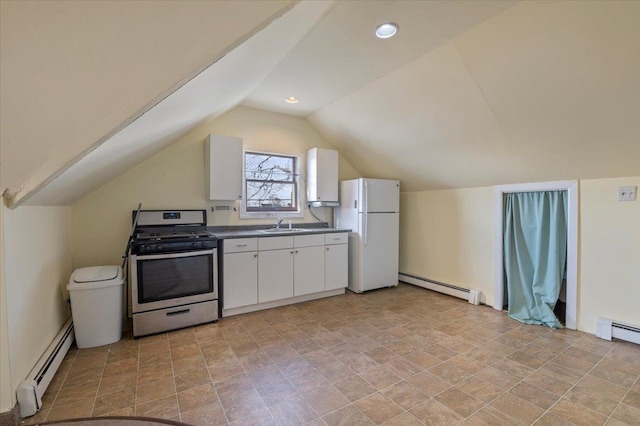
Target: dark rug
<point>115,420</point>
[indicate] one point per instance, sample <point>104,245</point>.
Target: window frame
<point>271,213</point>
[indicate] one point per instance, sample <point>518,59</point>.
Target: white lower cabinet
<point>308,270</point>
<point>240,279</point>
<point>269,269</point>
<point>336,266</point>
<point>275,275</point>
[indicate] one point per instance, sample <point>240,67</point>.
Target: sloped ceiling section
<point>469,93</point>
<point>341,54</point>
<point>213,92</point>
<point>72,72</point>
<point>543,91</point>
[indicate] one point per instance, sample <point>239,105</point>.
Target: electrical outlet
<point>626,193</point>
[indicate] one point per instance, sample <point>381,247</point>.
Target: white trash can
<point>96,305</point>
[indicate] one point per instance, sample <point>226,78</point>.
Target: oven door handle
<point>175,255</point>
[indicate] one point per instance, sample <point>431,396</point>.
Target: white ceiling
<point>543,91</point>
<point>469,93</point>
<point>342,54</point>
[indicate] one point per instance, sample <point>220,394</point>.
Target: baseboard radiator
<point>607,329</point>
<point>471,295</point>
<point>31,389</point>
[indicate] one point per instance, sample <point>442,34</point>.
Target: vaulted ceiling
<point>469,93</point>
<point>542,91</point>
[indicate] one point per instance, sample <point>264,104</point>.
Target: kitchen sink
<point>283,230</point>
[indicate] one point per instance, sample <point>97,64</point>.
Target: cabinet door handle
<point>327,248</point>
<point>336,239</point>
<point>255,255</point>
<point>296,251</point>
<point>291,252</point>
<point>241,245</point>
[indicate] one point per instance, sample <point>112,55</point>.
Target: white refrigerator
<point>369,207</point>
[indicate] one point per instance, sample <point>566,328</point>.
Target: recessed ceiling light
<point>386,30</point>
<point>292,100</point>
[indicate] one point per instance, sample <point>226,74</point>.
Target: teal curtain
<point>535,251</point>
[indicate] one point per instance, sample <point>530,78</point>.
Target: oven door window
<point>169,278</point>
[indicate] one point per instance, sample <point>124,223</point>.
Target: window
<point>270,184</point>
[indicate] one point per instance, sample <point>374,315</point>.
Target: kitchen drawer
<point>237,245</point>
<point>338,238</point>
<point>173,318</point>
<point>308,240</point>
<point>275,243</point>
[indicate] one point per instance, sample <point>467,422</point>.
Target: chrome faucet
<point>279,222</point>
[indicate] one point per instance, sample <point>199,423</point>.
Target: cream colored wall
<point>37,261</point>
<point>7,396</point>
<point>609,253</point>
<point>447,236</point>
<point>174,178</point>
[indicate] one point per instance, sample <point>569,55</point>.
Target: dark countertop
<point>252,231</point>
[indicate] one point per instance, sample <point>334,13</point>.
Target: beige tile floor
<point>401,356</point>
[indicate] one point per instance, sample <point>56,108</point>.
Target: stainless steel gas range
<point>173,271</point>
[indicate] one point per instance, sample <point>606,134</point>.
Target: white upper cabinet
<point>223,167</point>
<point>322,176</point>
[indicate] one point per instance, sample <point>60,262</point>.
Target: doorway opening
<point>535,251</point>
<point>570,320</point>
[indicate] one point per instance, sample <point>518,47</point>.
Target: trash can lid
<point>96,273</point>
<point>96,277</point>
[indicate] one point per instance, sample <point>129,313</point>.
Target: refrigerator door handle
<point>365,228</point>
<point>366,196</point>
